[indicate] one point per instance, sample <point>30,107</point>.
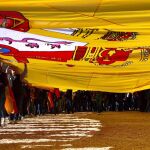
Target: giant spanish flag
<point>100,45</point>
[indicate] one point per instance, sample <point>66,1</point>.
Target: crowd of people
<point>33,101</point>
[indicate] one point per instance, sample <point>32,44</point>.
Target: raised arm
<point>24,73</point>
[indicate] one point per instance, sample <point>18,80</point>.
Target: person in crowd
<point>94,107</point>
<point>31,104</point>
<point>136,98</point>
<point>147,109</point>
<point>26,99</point>
<point>3,84</point>
<point>99,101</point>
<point>38,101</point>
<point>68,97</point>
<point>18,89</point>
<point>50,101</point>
<point>62,103</point>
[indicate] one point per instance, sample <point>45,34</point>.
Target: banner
<point>102,45</point>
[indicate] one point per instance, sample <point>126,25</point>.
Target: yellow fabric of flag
<point>105,43</point>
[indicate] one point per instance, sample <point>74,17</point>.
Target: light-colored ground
<point>119,130</point>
